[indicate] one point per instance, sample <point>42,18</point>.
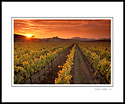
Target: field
<point>62,63</point>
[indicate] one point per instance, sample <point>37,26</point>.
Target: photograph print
<point>62,51</point>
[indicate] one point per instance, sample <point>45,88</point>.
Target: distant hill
<point>22,38</point>
<point>83,39</point>
<point>19,38</point>
<point>91,39</point>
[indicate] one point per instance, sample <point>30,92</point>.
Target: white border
<point>61,85</point>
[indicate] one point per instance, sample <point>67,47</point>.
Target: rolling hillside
<point>22,38</point>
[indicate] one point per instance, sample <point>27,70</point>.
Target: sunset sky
<point>91,28</point>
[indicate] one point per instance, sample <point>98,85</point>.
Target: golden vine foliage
<point>64,76</point>
<point>100,61</point>
<point>33,56</point>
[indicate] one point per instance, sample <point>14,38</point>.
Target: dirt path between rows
<point>81,73</point>
<point>50,78</point>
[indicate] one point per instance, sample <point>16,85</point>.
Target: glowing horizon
<point>39,28</point>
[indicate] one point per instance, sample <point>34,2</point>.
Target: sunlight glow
<point>28,35</point>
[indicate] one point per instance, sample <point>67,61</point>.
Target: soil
<point>50,78</point>
<point>83,72</point>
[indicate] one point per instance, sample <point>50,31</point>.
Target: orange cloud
<point>63,28</point>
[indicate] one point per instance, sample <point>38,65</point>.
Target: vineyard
<point>99,57</point>
<point>62,63</point>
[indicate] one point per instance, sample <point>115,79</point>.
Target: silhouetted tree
<point>33,37</point>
